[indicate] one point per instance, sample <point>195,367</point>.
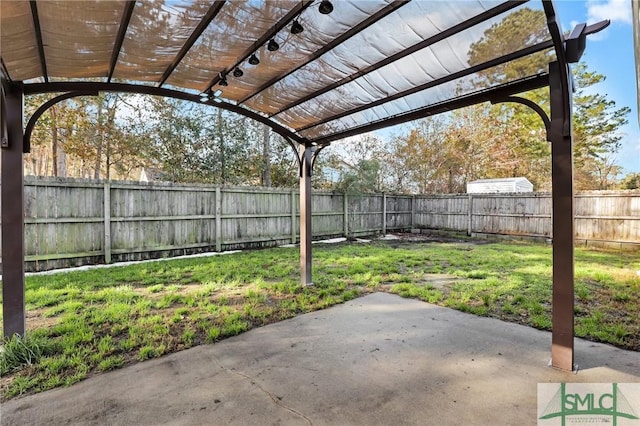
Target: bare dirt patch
<point>35,318</point>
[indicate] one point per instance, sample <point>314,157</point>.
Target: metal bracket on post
<point>316,152</point>
<point>4,132</point>
<point>576,42</point>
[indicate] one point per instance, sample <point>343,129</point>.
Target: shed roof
<point>501,180</point>
<point>365,65</point>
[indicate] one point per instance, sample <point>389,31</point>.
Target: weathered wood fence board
<point>525,215</point>
<point>71,222</point>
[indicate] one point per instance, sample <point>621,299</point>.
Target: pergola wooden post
<point>560,135</point>
<point>12,197</point>
<point>305,216</point>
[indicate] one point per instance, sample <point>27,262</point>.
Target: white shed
<point>492,186</point>
<point>149,174</point>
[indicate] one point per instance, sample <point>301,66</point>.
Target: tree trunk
<point>266,156</point>
<point>111,118</point>
<point>62,163</point>
<point>98,136</point>
<point>54,140</point>
<point>223,175</point>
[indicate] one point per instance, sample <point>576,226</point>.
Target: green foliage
<point>631,181</point>
<point>85,138</point>
<point>361,179</point>
<point>111,363</point>
<point>148,352</point>
<point>358,166</point>
<point>519,29</point>
<point>18,352</point>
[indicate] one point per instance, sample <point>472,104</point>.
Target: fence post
<point>470,224</point>
<point>345,220</point>
<point>413,212</point>
<point>293,216</point>
<point>107,222</point>
<point>384,214</point>
<point>218,219</point>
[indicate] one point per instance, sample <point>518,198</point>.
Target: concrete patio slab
<point>376,360</point>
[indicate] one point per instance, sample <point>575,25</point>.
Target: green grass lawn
<point>83,323</point>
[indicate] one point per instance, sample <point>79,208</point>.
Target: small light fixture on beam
<point>223,80</point>
<point>205,96</point>
<point>216,96</point>
<point>325,7</point>
<point>273,45</point>
<point>237,72</point>
<point>209,95</point>
<point>296,27</point>
<point>254,60</point>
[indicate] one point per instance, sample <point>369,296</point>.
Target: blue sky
<point>611,53</point>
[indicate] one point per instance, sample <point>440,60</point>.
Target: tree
<point>517,30</point>
<point>597,123</point>
<point>425,154</point>
<point>357,165</point>
<point>630,181</point>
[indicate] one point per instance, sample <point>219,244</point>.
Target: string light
<point>296,27</point>
<point>325,7</point>
<point>273,45</point>
<point>254,60</point>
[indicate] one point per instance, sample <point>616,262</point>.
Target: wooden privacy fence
<point>71,222</point>
<point>602,218</point>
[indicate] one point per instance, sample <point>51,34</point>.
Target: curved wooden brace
<point>300,155</point>
<point>296,153</point>
<point>534,106</point>
<point>70,86</point>
<point>316,153</point>
<point>26,145</point>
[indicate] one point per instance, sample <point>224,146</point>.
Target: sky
<point>611,53</point>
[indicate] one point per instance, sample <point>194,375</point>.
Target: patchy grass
<point>84,323</point>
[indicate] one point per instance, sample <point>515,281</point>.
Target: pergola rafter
<point>361,67</point>
<point>38,34</point>
<point>211,14</point>
<point>122,32</point>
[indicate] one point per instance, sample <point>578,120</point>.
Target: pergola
<point>313,71</point>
